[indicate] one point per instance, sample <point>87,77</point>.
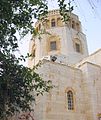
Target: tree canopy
<point>16,80</point>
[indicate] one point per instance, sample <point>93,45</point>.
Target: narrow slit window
<point>77,46</point>
<point>53,24</point>
<point>73,24</point>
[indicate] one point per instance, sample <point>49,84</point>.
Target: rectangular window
<point>53,45</point>
<point>77,46</point>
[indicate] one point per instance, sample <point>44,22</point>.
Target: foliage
<point>65,10</point>
<point>16,81</point>
<point>16,84</point>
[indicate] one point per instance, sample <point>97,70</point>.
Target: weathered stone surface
<point>72,71</point>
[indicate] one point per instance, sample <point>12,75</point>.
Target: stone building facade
<point>65,61</point>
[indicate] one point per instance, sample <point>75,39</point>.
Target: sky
<point>89,12</point>
<point>90,17</point>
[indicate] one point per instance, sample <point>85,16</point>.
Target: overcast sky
<point>89,12</point>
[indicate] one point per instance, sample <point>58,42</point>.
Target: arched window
<point>53,24</point>
<point>78,46</point>
<point>73,24</point>
<point>53,44</point>
<point>70,100</point>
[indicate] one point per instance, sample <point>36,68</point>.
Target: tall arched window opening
<point>73,24</point>
<point>70,100</point>
<point>53,24</point>
<point>78,46</point>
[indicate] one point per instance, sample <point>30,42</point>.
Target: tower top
<point>65,41</point>
<point>57,12</point>
<point>54,16</point>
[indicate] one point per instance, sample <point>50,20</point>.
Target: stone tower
<point>66,42</point>
<point>62,48</point>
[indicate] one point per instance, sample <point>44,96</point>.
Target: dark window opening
<point>53,45</point>
<point>70,100</point>
<point>53,23</point>
<point>78,27</point>
<point>77,46</point>
<point>73,24</point>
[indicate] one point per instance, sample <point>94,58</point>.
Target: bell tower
<point>66,42</point>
